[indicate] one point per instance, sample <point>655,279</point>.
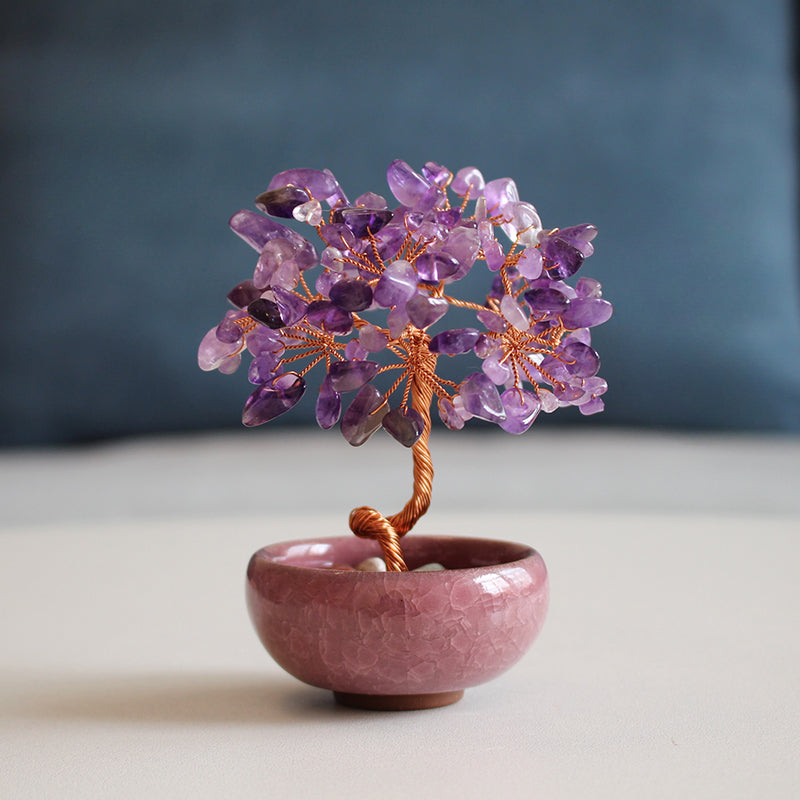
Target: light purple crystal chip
<point>481,398</point>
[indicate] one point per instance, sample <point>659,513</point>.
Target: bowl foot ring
<point>398,702</point>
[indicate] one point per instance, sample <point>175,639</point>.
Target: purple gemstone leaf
<point>347,376</point>
<point>244,293</point>
<point>321,184</point>
<point>338,235</point>
<point>580,237</point>
<point>481,398</point>
<point>579,359</point>
<point>449,415</point>
<point>257,230</point>
<point>499,195</point>
<point>424,311</point>
<point>546,300</point>
<point>397,285</point>
<point>372,339</point>
<point>351,294</point>
<point>363,221</point>
<point>468,178</point>
<point>212,352</point>
<point>323,314</point>
<point>406,185</point>
<point>454,342</point>
<point>266,312</point>
<point>329,405</point>
<point>561,259</point>
<point>273,398</point>
<point>437,174</point>
<point>405,425</point>
<point>435,267</point>
<point>364,415</point>
<point>586,312</point>
<point>292,308</point>
<point>281,202</point>
<point>521,407</point>
<point>263,368</point>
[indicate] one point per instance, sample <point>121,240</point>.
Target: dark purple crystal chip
<point>281,202</point>
<point>273,399</point>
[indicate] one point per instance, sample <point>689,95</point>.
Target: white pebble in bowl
<point>374,564</point>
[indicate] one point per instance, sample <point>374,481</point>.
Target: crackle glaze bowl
<point>397,640</point>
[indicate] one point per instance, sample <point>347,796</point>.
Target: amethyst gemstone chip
<point>437,174</point>
<point>468,178</point>
<point>263,340</point>
<point>405,425</point>
<point>454,342</point>
<point>481,398</point>
<point>351,294</point>
<point>423,311</point>
<point>530,263</point>
<point>390,240</point>
<point>522,407</point>
<point>594,406</point>
<point>364,415</point>
<point>323,314</point>
<point>397,284</point>
<point>212,353</point>
<point>281,202</point>
<point>228,330</point>
<point>435,267</point>
<point>329,405</point>
<point>561,259</point>
<point>448,414</point>
<point>273,398</point>
<point>244,293</point>
<point>449,218</point>
<point>321,184</point>
<point>494,322</point>
<point>500,194</point>
<point>580,237</point>
<point>407,186</point>
<point>589,287</point>
<point>257,230</point>
<point>292,308</point>
<point>555,368</point>
<point>266,312</point>
<point>546,300</point>
<point>338,235</point>
<point>580,359</point>
<point>586,312</point>
<point>347,376</point>
<point>262,368</point>
<point>363,221</point>
<point>570,393</point>
<point>372,339</point>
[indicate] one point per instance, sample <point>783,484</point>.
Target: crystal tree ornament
<point>384,277</point>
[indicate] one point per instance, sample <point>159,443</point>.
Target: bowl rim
<point>266,558</point>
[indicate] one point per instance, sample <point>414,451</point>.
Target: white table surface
<point>668,666</point>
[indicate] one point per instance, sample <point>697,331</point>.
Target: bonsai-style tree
<point>387,277</point>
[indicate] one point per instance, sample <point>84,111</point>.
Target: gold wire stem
<point>371,524</point>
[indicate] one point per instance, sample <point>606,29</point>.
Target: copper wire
<point>371,524</point>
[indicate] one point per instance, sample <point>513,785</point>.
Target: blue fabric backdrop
<point>131,130</point>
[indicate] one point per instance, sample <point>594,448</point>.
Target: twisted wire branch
<point>371,524</point>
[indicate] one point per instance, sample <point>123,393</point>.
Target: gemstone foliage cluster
<point>374,300</point>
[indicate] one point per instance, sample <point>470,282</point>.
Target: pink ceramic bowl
<point>395,640</point>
